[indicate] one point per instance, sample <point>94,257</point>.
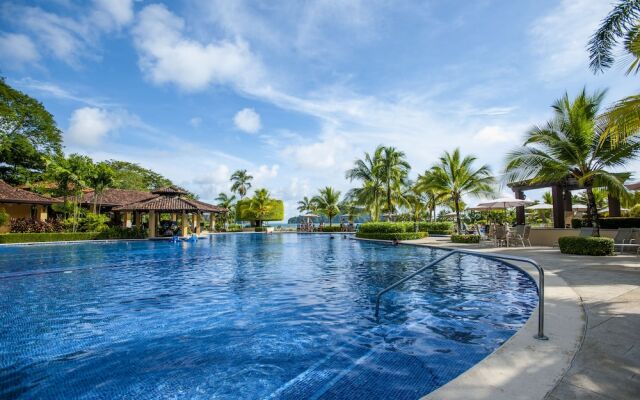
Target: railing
<point>539,336</point>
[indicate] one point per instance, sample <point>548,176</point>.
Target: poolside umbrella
<point>579,207</point>
<point>539,207</point>
<point>309,216</point>
<point>478,208</point>
<point>504,203</point>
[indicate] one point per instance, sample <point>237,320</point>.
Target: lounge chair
<point>522,235</point>
<point>502,236</point>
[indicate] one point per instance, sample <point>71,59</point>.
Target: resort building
<point>19,203</point>
<point>169,200</point>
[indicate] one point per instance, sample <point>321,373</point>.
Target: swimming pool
<point>247,316</point>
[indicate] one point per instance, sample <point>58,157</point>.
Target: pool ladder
<point>540,335</point>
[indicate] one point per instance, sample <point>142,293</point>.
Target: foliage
<point>4,217</point>
<point>228,202</point>
<point>241,182</point>
<point>260,205</point>
<point>436,228</point>
<point>99,178</point>
<point>371,191</point>
<point>336,228</point>
<point>392,169</point>
<point>572,144</point>
<point>245,213</point>
<point>28,225</point>
<point>260,229</point>
<point>28,135</point>
<point>234,228</point>
<point>111,233</point>
<point>455,176</point>
<point>633,212</point>
<point>327,202</point>
<point>465,238</point>
<point>386,227</point>
<point>307,205</point>
<point>391,235</point>
<point>586,246</point>
<point>132,176</point>
<point>91,222</point>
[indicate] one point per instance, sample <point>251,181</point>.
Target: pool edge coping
<point>523,367</point>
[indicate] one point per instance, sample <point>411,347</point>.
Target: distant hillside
<point>325,220</point>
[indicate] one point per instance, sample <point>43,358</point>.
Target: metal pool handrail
<point>539,336</point>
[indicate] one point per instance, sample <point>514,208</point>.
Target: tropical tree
<point>99,177</point>
<point>392,169</point>
<point>306,205</point>
<point>71,175</point>
<point>28,136</point>
<point>327,201</point>
<point>371,193</point>
<point>415,200</point>
<point>134,177</point>
<point>622,24</point>
<point>228,202</point>
<point>547,198</point>
<point>241,182</point>
<point>599,195</point>
<point>572,144</point>
<point>260,205</point>
<point>430,194</point>
<point>454,176</point>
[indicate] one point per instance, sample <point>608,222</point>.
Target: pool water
<point>247,316</point>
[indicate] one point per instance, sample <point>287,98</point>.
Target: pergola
<point>561,195</point>
<point>170,200</point>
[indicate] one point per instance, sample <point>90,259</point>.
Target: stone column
<point>184,227</point>
<point>614,206</point>
<point>126,219</point>
<point>212,222</point>
<point>196,222</point>
<point>137,219</point>
<point>152,224</point>
<point>558,206</point>
<point>520,217</point>
<point>41,213</point>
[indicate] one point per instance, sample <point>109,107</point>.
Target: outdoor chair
<point>626,238</point>
<point>585,231</point>
<point>522,235</point>
<point>502,236</point>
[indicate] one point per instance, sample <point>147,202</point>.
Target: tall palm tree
<point>228,202</point>
<point>622,24</point>
<point>100,178</point>
<point>455,176</point>
<point>260,205</point>
<point>392,168</point>
<point>372,190</point>
<point>573,145</point>
<point>431,196</point>
<point>241,182</point>
<point>305,205</point>
<point>327,202</point>
<point>547,198</point>
<point>599,195</point>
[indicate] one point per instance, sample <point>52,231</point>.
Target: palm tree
<point>228,202</point>
<point>328,201</point>
<point>305,205</point>
<point>260,205</point>
<point>241,182</point>
<point>432,197</point>
<point>372,191</point>
<point>392,168</point>
<point>599,195</point>
<point>100,178</point>
<point>623,118</point>
<point>547,198</point>
<point>572,144</point>
<point>70,175</point>
<point>454,176</point>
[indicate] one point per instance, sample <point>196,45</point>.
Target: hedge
<point>386,227</point>
<point>465,238</point>
<point>234,228</point>
<point>392,235</point>
<point>244,213</point>
<point>332,228</point>
<point>436,228</point>
<point>586,246</point>
<point>111,233</point>
<point>610,222</point>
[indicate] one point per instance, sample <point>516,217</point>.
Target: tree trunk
<point>458,215</point>
<point>592,211</point>
<point>330,218</point>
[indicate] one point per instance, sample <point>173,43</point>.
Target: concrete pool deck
<point>592,312</point>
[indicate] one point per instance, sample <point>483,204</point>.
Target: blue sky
<point>295,91</point>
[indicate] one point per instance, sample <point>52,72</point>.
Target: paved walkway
<point>607,365</point>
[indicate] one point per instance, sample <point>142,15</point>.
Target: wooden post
<point>184,226</point>
<point>212,222</point>
<point>152,224</point>
<point>614,206</point>
<point>195,217</point>
<point>558,206</point>
<point>520,217</point>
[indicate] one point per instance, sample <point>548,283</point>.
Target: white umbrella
<point>478,208</point>
<point>579,207</point>
<point>310,215</point>
<point>505,202</point>
<point>540,207</point>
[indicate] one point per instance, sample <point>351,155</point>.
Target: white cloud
<point>560,38</point>
<point>247,120</point>
<point>320,155</point>
<point>118,12</point>
<point>264,172</point>
<point>167,56</point>
<point>17,50</point>
<point>89,125</point>
<point>497,134</point>
<point>195,122</point>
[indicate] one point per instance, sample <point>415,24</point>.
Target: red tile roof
<point>633,186</point>
<point>171,204</point>
<point>10,194</point>
<point>117,197</point>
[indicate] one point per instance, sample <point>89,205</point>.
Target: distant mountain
<point>325,220</point>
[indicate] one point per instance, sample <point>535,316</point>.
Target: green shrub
<point>386,227</point>
<point>577,223</point>
<point>260,229</point>
<point>436,228</point>
<point>244,212</point>
<point>234,228</point>
<point>586,246</point>
<point>4,217</point>
<point>111,233</point>
<point>391,235</point>
<point>117,232</point>
<point>635,211</point>
<point>29,225</point>
<point>332,228</point>
<point>465,238</point>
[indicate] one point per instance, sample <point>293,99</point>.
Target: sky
<point>295,91</point>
